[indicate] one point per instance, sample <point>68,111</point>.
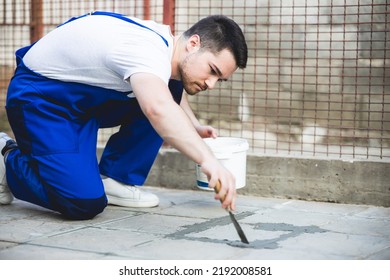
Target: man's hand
<point>217,172</point>
<point>206,131</point>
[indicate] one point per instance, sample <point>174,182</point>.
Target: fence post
<point>146,9</point>
<point>36,24</point>
<point>169,14</point>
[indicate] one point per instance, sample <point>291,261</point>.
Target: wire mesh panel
<point>317,83</point>
<point>24,21</point>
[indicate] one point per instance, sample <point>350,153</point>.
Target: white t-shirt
<point>102,51</point>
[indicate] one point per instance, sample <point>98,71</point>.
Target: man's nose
<point>210,82</point>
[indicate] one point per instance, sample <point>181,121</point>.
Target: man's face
<point>201,70</point>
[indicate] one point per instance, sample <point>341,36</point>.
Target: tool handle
<point>217,188</point>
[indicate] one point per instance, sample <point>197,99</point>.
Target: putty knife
<point>240,232</point>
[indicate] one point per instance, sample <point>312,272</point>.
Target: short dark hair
<point>218,32</point>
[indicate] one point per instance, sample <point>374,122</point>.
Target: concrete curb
<point>351,182</point>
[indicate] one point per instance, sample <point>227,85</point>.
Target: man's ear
<point>193,43</point>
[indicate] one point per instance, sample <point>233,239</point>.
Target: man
<point>104,70</point>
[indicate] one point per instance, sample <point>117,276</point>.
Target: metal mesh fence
<point>317,82</point>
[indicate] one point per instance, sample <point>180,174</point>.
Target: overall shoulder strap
<point>119,16</point>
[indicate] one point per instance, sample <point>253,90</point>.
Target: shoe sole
<point>130,203</point>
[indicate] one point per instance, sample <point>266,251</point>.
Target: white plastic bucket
<point>231,152</point>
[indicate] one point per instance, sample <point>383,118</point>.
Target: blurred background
<point>317,84</point>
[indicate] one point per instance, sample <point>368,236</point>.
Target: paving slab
<point>191,225</point>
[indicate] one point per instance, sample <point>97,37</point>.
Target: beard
<point>190,86</point>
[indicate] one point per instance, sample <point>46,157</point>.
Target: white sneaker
<point>128,196</point>
<point>6,196</point>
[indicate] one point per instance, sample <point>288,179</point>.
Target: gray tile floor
<point>190,225</point>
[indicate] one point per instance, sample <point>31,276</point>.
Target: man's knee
<point>81,209</point>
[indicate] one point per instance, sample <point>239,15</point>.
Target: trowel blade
<point>238,228</point>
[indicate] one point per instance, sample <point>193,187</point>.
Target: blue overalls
<point>56,123</point>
